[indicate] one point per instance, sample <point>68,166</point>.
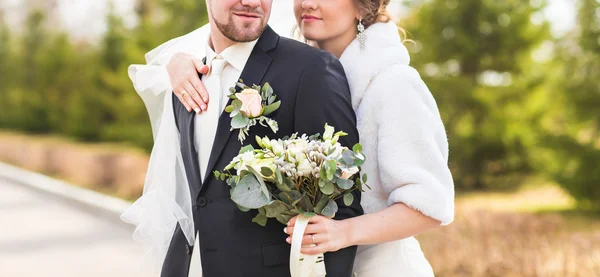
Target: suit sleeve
<point>323,97</point>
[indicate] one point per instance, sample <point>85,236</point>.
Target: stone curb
<point>96,203</point>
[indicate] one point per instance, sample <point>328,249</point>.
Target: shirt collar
<point>236,55</point>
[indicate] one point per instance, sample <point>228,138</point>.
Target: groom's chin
<point>247,33</point>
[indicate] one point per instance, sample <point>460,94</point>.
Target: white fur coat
<point>400,128</point>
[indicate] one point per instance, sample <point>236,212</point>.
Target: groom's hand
<point>183,72</point>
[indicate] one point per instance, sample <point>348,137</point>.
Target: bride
<point>400,128</point>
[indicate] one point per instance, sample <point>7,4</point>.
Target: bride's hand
<point>329,235</point>
<point>183,72</point>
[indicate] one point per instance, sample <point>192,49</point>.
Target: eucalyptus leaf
<point>269,89</point>
<point>246,148</point>
<point>348,199</point>
<point>243,209</point>
<point>364,178</point>
<point>295,203</point>
<point>275,208</point>
<point>239,121</point>
<point>322,204</point>
<point>263,186</point>
<point>271,108</point>
<point>344,183</point>
<point>271,99</point>
<point>265,171</point>
<point>229,109</point>
<point>248,193</point>
<point>306,204</point>
<point>359,159</point>
<point>359,162</point>
<point>289,197</point>
<point>358,183</point>
<point>283,186</point>
<point>260,219</point>
<point>357,148</point>
<point>322,182</point>
<point>288,182</point>
<point>284,218</point>
<point>331,168</point>
<point>262,211</point>
<point>236,104</point>
<point>348,157</point>
<point>309,214</point>
<point>327,189</point>
<point>330,209</point>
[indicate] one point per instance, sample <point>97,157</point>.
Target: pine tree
<point>475,56</point>
<point>570,152</point>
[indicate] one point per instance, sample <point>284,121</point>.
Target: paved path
<point>41,235</point>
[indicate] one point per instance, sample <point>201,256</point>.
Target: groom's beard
<point>243,32</point>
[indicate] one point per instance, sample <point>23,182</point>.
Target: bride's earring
<point>362,37</point>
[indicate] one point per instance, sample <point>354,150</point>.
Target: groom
<point>313,90</point>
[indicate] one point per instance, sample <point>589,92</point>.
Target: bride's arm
<point>169,67</point>
<point>412,153</point>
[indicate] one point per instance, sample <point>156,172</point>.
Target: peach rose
<point>251,102</point>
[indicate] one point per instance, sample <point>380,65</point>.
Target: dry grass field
<point>530,233</point>
<point>534,232</point>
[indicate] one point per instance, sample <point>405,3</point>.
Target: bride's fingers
<point>313,220</point>
<point>292,222</point>
<point>315,250</point>
<point>314,228</point>
<point>307,240</point>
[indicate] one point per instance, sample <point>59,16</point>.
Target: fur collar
<point>383,49</point>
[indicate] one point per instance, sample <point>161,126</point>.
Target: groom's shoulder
<point>302,52</point>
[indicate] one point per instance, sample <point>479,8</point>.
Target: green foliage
<point>569,151</point>
<point>475,57</point>
<point>52,84</point>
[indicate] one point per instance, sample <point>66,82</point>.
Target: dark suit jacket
<point>313,90</point>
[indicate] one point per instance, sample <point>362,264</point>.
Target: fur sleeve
<point>412,149</point>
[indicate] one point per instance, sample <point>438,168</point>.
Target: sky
<point>90,14</point>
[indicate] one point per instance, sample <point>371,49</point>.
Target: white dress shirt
<point>217,86</point>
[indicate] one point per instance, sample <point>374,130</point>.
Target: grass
<point>535,231</point>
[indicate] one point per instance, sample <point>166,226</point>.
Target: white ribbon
<point>302,265</point>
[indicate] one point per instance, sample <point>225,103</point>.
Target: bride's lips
<point>309,18</point>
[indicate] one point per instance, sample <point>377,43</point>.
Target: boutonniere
<point>251,106</point>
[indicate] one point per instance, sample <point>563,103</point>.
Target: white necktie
<point>207,122</point>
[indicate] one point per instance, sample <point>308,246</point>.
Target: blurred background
<point>517,83</point>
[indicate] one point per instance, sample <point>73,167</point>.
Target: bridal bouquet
<point>300,176</point>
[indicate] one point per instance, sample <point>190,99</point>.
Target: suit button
<point>188,249</point>
<point>202,201</point>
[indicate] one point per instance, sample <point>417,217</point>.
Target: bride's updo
<point>373,11</point>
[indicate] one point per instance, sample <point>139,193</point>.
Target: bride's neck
<point>337,45</point>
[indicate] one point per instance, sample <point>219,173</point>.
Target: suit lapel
<point>253,73</point>
<point>192,164</point>
<point>189,153</point>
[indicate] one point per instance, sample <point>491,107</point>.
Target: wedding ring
<point>313,238</point>
<point>183,93</point>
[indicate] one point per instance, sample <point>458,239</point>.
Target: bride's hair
<point>374,11</point>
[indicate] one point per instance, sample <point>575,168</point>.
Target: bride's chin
<point>310,36</point>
